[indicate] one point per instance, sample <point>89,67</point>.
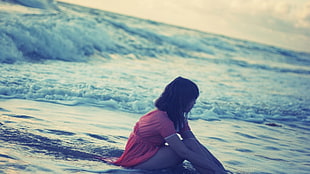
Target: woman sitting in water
<point>146,148</point>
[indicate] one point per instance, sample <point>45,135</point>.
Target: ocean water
<point>74,81</point>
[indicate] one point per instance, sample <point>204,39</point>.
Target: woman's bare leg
<point>164,158</point>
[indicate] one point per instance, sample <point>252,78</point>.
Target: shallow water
<point>74,80</point>
<point>40,137</point>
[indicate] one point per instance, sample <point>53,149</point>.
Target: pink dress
<point>147,138</point>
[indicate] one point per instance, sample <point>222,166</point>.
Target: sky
<point>282,23</point>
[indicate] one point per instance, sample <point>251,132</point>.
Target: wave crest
<point>72,39</point>
<point>42,4</point>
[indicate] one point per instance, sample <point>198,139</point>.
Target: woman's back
<point>154,127</point>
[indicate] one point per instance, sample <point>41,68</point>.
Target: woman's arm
<point>189,135</point>
<point>198,159</point>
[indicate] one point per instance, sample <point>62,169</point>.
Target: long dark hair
<point>176,97</point>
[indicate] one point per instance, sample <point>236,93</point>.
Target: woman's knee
<point>170,155</point>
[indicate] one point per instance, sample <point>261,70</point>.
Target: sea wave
<point>76,33</point>
<point>43,4</point>
<point>34,37</point>
<point>126,100</point>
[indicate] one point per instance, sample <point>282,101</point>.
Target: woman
<point>147,145</point>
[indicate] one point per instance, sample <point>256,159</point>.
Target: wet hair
<point>176,98</point>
